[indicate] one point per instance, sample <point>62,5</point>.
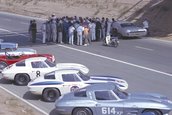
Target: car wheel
<point>22,79</point>
<point>152,112</point>
<point>2,65</point>
<point>82,111</point>
<point>50,94</point>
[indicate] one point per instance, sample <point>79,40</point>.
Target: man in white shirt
<point>79,30</point>
<point>146,25</point>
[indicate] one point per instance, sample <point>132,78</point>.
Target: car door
<point>108,104</point>
<point>39,68</point>
<point>71,82</point>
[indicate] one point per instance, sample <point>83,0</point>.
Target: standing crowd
<point>72,30</point>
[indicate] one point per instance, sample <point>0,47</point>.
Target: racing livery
<point>59,82</point>
<point>6,60</point>
<point>24,71</point>
<point>107,99</point>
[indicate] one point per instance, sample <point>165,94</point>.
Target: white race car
<point>24,71</point>
<point>56,83</point>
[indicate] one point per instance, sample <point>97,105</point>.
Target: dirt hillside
<point>158,12</point>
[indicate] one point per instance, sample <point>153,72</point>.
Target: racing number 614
<point>38,73</point>
<point>108,111</point>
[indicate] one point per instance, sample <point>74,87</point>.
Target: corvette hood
<point>121,83</point>
<point>150,98</point>
<point>77,66</point>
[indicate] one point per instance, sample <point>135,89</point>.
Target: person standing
<point>60,31</point>
<point>93,30</point>
<point>103,28</point>
<point>30,30</point>
<point>98,29</point>
<point>44,32</point>
<point>86,36</point>
<point>71,34</point>
<point>34,31</point>
<point>54,30</point>
<point>80,29</point>
<point>146,25</point>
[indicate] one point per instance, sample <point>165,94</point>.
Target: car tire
<point>153,112</point>
<point>51,94</point>
<point>82,111</point>
<point>2,65</point>
<point>22,79</point>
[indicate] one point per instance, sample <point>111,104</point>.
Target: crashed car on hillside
<point>129,29</point>
<point>54,84</point>
<point>24,71</point>
<point>107,99</point>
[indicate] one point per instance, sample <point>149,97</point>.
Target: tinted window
<point>38,64</point>
<point>104,95</point>
<point>50,63</point>
<point>80,94</point>
<point>70,78</point>
<point>49,75</point>
<point>83,77</point>
<point>22,63</point>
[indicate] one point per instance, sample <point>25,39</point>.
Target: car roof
<point>121,22</point>
<point>102,86</point>
<point>36,59</point>
<point>67,71</point>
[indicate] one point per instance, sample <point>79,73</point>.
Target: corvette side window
<point>70,78</point>
<point>38,64</point>
<point>104,95</point>
<point>80,94</point>
<point>21,63</point>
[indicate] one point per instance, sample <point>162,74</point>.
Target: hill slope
<point>158,12</point>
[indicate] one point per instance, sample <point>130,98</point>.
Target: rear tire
<point>2,65</point>
<point>51,94</point>
<point>154,112</point>
<point>22,79</point>
<point>82,111</point>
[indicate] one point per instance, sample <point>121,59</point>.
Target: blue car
<point>107,99</point>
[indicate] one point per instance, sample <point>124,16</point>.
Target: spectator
<point>86,36</point>
<point>30,30</point>
<point>54,31</point>
<point>146,25</point>
<point>34,30</point>
<point>60,31</point>
<point>71,34</point>
<point>80,29</point>
<point>44,33</point>
<point>98,29</point>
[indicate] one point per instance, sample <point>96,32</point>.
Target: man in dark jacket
<point>34,30</point>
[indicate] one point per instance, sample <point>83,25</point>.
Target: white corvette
<point>59,82</point>
<point>24,71</point>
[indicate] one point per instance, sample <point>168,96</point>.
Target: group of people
<point>74,30</point>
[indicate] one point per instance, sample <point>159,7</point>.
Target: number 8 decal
<point>38,73</point>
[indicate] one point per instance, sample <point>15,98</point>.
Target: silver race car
<point>107,99</point>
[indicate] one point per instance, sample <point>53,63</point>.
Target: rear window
<point>22,63</point>
<point>49,75</point>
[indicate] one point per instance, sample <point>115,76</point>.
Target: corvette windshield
<point>83,76</point>
<point>50,63</point>
<point>121,94</point>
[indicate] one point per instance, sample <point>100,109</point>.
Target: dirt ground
<point>157,11</point>
<point>10,105</point>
